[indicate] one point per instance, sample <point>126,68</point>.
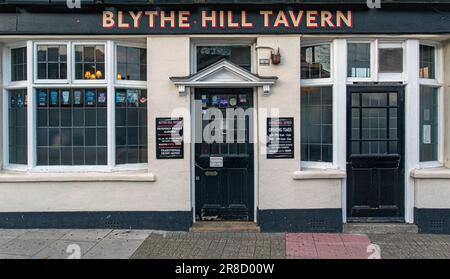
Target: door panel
<point>225,192</point>
<point>375,159</point>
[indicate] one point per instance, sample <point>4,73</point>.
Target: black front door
<point>224,171</point>
<point>375,153</point>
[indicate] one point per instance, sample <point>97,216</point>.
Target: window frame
<point>391,76</point>
<point>32,84</point>
<point>99,82</point>
<point>200,43</point>
<point>438,67</point>
<point>325,82</point>
<point>69,63</point>
<point>316,81</point>
<point>116,82</point>
<point>437,83</point>
<point>373,61</point>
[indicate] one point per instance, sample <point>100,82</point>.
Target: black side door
<point>375,153</point>
<point>224,170</point>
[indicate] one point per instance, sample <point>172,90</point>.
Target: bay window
<point>427,62</point>
<point>82,115</point>
<point>429,125</point>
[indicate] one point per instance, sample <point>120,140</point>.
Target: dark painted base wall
<point>301,220</point>
<point>155,220</point>
<point>432,220</point>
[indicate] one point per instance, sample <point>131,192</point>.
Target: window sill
<point>311,174</point>
<point>17,177</point>
<point>431,173</point>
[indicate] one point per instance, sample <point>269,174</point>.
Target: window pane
<point>67,121</point>
<point>427,62</point>
<point>358,59</point>
<point>52,62</point>
<point>131,126</point>
<point>315,62</point>
<point>390,60</point>
<point>428,124</point>
<point>17,113</point>
<point>131,63</point>
<point>19,64</point>
<point>207,55</point>
<point>317,124</point>
<point>90,62</point>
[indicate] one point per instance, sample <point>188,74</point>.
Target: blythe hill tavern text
<point>228,19</point>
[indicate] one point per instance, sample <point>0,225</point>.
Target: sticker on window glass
<point>102,98</point>
<point>90,98</point>
<point>215,100</point>
<point>20,101</point>
<point>121,98</point>
<point>77,98</point>
<point>223,102</point>
<point>54,100</point>
<point>233,101</point>
<point>13,101</point>
<point>426,134</point>
<point>133,97</point>
<point>426,115</point>
<point>42,98</point>
<point>66,98</point>
<point>243,100</point>
<point>204,101</point>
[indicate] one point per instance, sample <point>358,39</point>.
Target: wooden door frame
<point>255,148</point>
<point>374,88</point>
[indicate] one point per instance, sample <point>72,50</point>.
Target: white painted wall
<point>277,188</point>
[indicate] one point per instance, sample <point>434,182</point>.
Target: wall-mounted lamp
<point>275,55</point>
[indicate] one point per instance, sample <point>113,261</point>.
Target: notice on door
<point>280,138</point>
<point>169,138</point>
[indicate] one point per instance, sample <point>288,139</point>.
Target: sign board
<point>216,162</point>
<point>169,138</point>
<point>216,19</point>
<point>280,138</point>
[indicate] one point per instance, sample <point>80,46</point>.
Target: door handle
<point>211,173</point>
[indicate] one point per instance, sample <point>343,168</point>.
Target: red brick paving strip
<point>326,246</point>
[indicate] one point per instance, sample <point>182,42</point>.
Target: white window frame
<point>199,43</point>
<point>323,82</point>
<point>386,76</point>
<point>36,80</point>
<point>133,83</point>
<point>436,83</point>
<point>32,84</point>
<point>373,62</point>
<point>86,81</point>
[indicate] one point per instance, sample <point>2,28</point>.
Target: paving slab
<point>129,234</point>
<point>113,249</point>
<point>59,249</point>
<point>44,234</point>
<point>24,247</point>
<point>86,235</point>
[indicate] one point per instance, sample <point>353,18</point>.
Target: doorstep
<point>226,226</point>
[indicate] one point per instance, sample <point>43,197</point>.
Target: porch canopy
<point>223,74</point>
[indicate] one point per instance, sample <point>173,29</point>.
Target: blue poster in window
<point>20,100</point>
<point>102,98</point>
<point>121,98</point>
<point>90,98</point>
<point>133,98</point>
<point>54,100</point>
<point>42,98</point>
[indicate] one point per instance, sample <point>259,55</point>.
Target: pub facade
<point>299,116</point>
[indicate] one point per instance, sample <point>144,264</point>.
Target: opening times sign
<point>169,138</point>
<point>280,138</point>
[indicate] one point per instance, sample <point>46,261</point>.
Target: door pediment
<point>223,74</point>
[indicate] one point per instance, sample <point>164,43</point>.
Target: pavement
<point>147,244</point>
